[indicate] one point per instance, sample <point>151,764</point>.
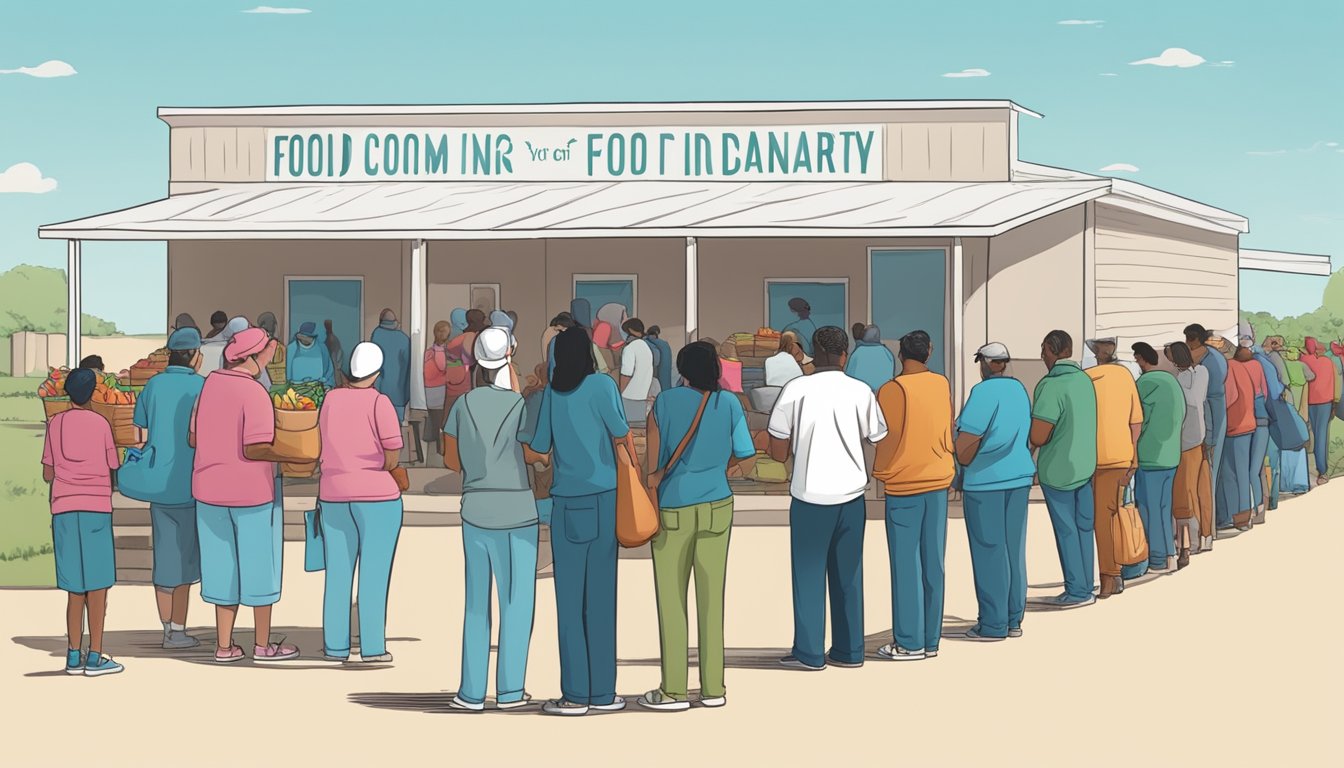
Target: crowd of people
<point>1187,440</point>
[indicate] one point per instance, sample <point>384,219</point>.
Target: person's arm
<point>1135,430</point>
<point>1041,431</point>
<point>452,459</point>
<point>1308,373</point>
<point>743,458</point>
<point>781,426</point>
<point>627,371</point>
<point>1046,411</point>
<point>540,439</point>
<point>258,428</point>
<point>48,459</point>
<point>971,425</point>
<point>653,442</point>
<point>389,431</point>
<point>967,446</point>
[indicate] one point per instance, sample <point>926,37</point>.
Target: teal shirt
<point>1163,413</point>
<point>701,474</point>
<point>487,423</point>
<point>578,427</point>
<point>163,410</point>
<point>805,329</point>
<point>873,364</point>
<point>1067,399</point>
<point>309,364</point>
<point>999,412</point>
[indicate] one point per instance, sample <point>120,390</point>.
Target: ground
<point>1230,662</point>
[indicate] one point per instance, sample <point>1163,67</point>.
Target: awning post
<point>74,303</point>
<point>692,291</point>
<point>417,322</point>
<point>958,306</point>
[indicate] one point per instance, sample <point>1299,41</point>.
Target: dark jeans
<point>1320,435</point>
<point>996,526</point>
<point>583,544</point>
<point>826,544</point>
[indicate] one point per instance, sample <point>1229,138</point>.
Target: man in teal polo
<point>1064,428</point>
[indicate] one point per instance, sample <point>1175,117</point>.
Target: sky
<point>1241,116</point>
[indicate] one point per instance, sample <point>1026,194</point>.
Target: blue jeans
<point>1153,489</point>
<point>583,540</point>
<point>1259,451</point>
<point>1071,515</point>
<point>916,548</point>
<point>1275,473</point>
<point>509,555</point>
<point>242,553</point>
<point>362,533</point>
<point>826,547</point>
<point>1215,430</point>
<point>1294,467</point>
<point>1234,480</point>
<point>1320,435</point>
<point>996,526</point>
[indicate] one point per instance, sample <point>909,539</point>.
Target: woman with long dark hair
<point>581,415</point>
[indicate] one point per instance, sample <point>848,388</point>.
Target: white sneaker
<point>893,652</point>
<point>617,704</point>
<point>461,704</point>
<point>661,702</point>
<point>714,702</point>
<point>564,707</point>
<point>526,701</point>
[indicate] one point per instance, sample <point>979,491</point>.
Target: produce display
<point>54,387</point>
<point>147,368</point>
<point>305,396</point>
<point>111,391</point>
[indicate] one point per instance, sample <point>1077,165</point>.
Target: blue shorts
<point>177,552</point>
<point>242,552</point>
<point>86,559</point>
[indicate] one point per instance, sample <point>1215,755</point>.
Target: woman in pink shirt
<point>359,505</point>
<point>78,459</point>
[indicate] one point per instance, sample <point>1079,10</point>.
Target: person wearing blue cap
<point>306,360</point>
<point>162,477</point>
<point>395,381</point>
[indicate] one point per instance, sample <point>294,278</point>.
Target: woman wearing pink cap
<point>234,483</point>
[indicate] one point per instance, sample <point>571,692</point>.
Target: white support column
<point>419,288</point>
<point>958,341</point>
<point>692,291</point>
<point>75,302</point>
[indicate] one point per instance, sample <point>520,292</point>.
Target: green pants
<point>692,539</point>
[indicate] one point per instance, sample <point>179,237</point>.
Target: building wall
<point>975,306</point>
<point>1154,277</point>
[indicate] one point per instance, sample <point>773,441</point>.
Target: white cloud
<point>1121,167</point>
<point>1223,64</point>
<point>973,72</point>
<point>25,177</point>
<point>1316,146</point>
<point>1109,74</point>
<point>53,68</point>
<point>1082,22</point>
<point>271,9</point>
<point>1173,57</point>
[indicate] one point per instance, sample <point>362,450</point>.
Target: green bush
<point>36,300</point>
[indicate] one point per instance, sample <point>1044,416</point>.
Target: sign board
<point>775,153</point>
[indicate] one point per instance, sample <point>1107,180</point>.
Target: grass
<point>25,518</point>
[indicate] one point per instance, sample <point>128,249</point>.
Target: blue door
<point>828,302</point>
<point>340,301</point>
<point>909,293</point>
<point>600,293</point>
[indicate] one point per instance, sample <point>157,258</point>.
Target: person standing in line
<point>217,322</point>
<point>306,360</point>
<point>1159,452</point>
<point>662,362</point>
<point>185,320</point>
<point>395,380</point>
<point>457,320</point>
<point>871,362</point>
<point>78,460</point>
<point>559,324</point>
<point>1233,505</point>
<point>1276,385</point>
<point>1215,408</point>
<point>436,383</point>
<point>1260,438</point>
<point>1192,500</point>
<point>1320,404</point>
<point>267,322</point>
<point>637,373</point>
<point>822,421</point>
<point>1064,429</point>
<point>916,465</point>
<point>1119,421</point>
<point>696,510</point>
<point>461,364</point>
<point>581,415</point>
<point>995,454</point>
<point>482,440</point>
<point>163,478</point>
<point>235,484</point>
<point>360,507</point>
<point>803,328</point>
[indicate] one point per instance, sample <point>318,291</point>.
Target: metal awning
<point>502,210</point>
<point>1283,261</point>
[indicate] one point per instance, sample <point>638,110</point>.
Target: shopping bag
<point>1286,426</point>
<point>1130,543</point>
<point>636,515</point>
<point>314,554</point>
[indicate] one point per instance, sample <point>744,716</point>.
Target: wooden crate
<point>140,376</point>
<point>53,407</point>
<point>122,420</point>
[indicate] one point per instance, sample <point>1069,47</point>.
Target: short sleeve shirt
<point>1066,399</point>
<point>1163,414</point>
<point>1118,411</point>
<point>1195,387</point>
<point>163,410</point>
<point>701,474</point>
<point>999,412</point>
<point>78,447</point>
<point>488,424</point>
<point>578,427</point>
<point>827,416</point>
<point>1217,365</point>
<point>233,411</point>
<point>637,363</point>
<point>357,427</point>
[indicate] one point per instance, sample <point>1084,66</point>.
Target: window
<point>601,290</point>
<point>828,297</point>
<point>909,292</point>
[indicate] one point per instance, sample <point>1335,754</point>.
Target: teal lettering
<point>734,158</point>
<point>779,153</point>
<point>663,140</point>
<point>391,154</point>
<point>864,148</point>
<point>331,155</point>
<point>295,156</point>
<point>616,154</point>
<point>825,146</point>
<point>347,145</point>
<point>639,154</point>
<point>436,155</point>
<point>370,145</point>
<point>503,148</point>
<point>753,161</point>
<point>463,155</point>
<point>803,159</point>
<point>480,155</point>
<point>704,155</point>
<point>315,155</point>
<point>278,153</point>
<point>411,144</point>
<point>594,151</point>
<point>686,154</point>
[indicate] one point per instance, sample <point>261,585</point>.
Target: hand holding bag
<point>636,514</point>
<point>1127,535</point>
<point>314,554</point>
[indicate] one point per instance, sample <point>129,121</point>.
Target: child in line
<point>78,459</point>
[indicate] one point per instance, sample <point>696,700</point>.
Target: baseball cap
<point>492,348</point>
<point>307,329</point>
<point>184,339</point>
<point>992,351</point>
<point>245,343</point>
<point>1107,340</point>
<point>366,360</point>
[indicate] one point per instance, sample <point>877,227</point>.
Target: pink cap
<point>244,344</point>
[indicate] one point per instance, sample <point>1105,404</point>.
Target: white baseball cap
<point>366,360</point>
<point>492,348</point>
<point>992,351</point>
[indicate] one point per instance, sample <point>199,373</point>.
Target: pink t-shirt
<point>233,411</point>
<point>79,447</point>
<point>357,425</point>
<point>730,377</point>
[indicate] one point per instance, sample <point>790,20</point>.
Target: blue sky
<point>1260,135</point>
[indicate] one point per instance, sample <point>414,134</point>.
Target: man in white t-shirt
<point>822,421</point>
<point>637,373</point>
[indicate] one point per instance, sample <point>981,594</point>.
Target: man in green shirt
<point>1064,428</point>
<point>1159,455</point>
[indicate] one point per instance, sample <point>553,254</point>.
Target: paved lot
<point>1230,662</point>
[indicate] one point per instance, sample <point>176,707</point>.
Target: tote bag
<point>314,554</point>
<point>1286,426</point>
<point>1130,543</point>
<point>636,514</point>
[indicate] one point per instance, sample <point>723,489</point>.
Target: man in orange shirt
<point>1119,422</point>
<point>915,462</point>
<point>1234,505</point>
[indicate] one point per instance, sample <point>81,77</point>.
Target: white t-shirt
<point>780,369</point>
<point>637,363</point>
<point>828,416</point>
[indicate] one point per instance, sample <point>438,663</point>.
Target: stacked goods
<point>276,368</point>
<point>143,370</point>
<point>52,392</point>
<point>766,342</point>
<point>297,444</point>
<point>115,402</point>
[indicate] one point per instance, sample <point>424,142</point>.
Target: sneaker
<point>382,658</point>
<point>1205,544</point>
<point>931,654</point>
<point>564,707</point>
<point>99,665</point>
<point>1063,602</point>
<point>178,639</point>
<point>893,652</point>
<point>843,664</point>
<point>793,662</point>
<point>1259,518</point>
<point>974,634</point>
<point>335,659</point>
<point>74,661</point>
<point>661,702</point>
<point>526,701</point>
<point>274,652</point>
<point>229,655</point>
<point>713,702</point>
<point>1014,631</point>
<point>463,705</point>
<point>617,704</point>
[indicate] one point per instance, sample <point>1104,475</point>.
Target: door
<point>442,298</point>
<point>601,290</point>
<point>828,298</point>
<point>316,300</point>
<point>909,292</point>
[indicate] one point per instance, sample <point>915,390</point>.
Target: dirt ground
<point>1230,662</point>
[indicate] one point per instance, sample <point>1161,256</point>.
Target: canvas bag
<point>1286,426</point>
<point>1127,536</point>
<point>636,514</point>
<point>314,552</point>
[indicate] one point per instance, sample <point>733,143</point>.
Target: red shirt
<point>1322,390</point>
<point>1240,398</point>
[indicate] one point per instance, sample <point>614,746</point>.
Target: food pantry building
<point>705,219</point>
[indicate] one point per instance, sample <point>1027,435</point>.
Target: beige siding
<point>1155,277</point>
<point>948,151</point>
<point>217,154</point>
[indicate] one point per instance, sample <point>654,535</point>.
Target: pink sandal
<point>229,655</point>
<point>274,652</point>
